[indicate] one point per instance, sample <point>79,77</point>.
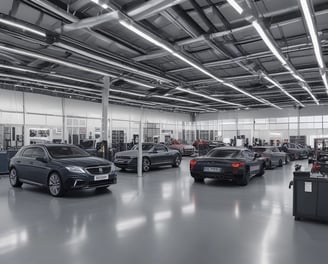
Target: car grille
<point>99,170</point>
<point>100,183</point>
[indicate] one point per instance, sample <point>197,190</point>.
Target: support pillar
<point>104,121</point>
<point>140,144</point>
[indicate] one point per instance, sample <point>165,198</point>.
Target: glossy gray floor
<point>161,218</point>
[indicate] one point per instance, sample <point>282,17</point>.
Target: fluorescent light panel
<point>313,33</point>
<point>20,26</point>
<point>282,89</point>
<point>268,42</point>
<point>177,99</point>
<point>206,96</point>
<point>174,53</point>
<point>236,6</point>
<point>283,61</point>
<point>127,92</point>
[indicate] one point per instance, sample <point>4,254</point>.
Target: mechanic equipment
<point>310,195</point>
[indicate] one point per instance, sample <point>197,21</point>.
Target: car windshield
<point>224,153</point>
<point>64,152</point>
<point>144,147</point>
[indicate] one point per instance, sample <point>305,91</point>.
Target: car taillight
<point>193,162</point>
<point>237,164</point>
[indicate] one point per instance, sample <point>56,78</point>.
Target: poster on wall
<point>39,135</point>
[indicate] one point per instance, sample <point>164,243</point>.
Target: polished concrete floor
<point>161,218</point>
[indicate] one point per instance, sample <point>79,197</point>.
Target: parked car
<point>308,149</point>
<point>232,163</point>
<point>272,155</point>
<point>184,149</point>
<point>60,168</point>
<point>153,155</point>
<point>294,151</point>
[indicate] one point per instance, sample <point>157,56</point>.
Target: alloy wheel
<point>146,165</point>
<point>13,177</point>
<point>54,185</point>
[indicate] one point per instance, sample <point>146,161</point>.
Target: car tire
<point>297,156</point>
<point>262,171</point>
<point>13,178</point>
<point>199,180</point>
<point>146,165</point>
<point>280,163</point>
<point>245,179</point>
<point>176,161</point>
<point>55,185</point>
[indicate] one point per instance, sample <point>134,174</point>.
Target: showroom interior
<point>134,104</point>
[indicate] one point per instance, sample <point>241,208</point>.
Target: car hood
<point>83,162</point>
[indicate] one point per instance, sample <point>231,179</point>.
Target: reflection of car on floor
<point>294,151</point>
<point>272,155</point>
<point>231,163</point>
<point>60,168</point>
<point>153,155</point>
<point>184,149</point>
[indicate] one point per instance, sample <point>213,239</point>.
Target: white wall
<point>52,112</point>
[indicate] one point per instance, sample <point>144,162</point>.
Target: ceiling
<point>174,55</point>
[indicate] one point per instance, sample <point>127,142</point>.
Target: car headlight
<point>75,169</point>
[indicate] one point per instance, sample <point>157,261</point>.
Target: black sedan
<point>153,155</point>
<point>231,163</point>
<point>60,168</point>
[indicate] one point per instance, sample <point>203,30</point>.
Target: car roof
<point>50,145</point>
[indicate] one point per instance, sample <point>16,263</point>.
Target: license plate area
<point>101,177</point>
<point>212,169</point>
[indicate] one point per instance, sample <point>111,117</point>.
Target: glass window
<point>39,153</point>
<point>144,147</point>
<point>62,152</point>
<point>160,148</point>
<point>224,153</point>
<point>28,153</point>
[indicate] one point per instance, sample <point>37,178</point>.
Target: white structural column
<point>140,144</point>
<point>63,121</point>
<point>104,120</point>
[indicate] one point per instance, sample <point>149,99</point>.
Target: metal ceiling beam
<point>71,18</point>
<point>285,20</point>
<point>151,8</point>
<point>258,55</point>
<point>90,22</point>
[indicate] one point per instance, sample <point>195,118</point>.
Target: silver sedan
<point>272,155</point>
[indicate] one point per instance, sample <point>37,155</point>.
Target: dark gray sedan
<point>153,155</point>
<point>60,168</point>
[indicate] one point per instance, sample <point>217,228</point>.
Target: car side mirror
<point>42,159</point>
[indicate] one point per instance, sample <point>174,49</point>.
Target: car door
<point>23,163</point>
<point>161,154</point>
<point>39,166</point>
<point>254,164</point>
